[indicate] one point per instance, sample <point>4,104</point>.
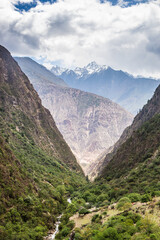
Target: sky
<point>122,34</point>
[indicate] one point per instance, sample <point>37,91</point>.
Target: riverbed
<point>53,235</point>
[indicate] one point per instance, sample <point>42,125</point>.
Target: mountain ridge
<point>22,96</point>
<point>86,120</point>
<point>44,73</point>
<point>128,91</point>
<point>149,111</point>
<point>37,168</point>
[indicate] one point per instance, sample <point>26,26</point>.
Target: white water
<point>69,200</point>
<point>57,227</point>
<point>52,236</point>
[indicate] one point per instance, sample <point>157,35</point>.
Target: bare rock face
<point>90,124</point>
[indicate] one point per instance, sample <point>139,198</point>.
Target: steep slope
<point>38,168</point>
<point>128,91</point>
<point>10,169</point>
<point>38,72</point>
<point>143,144</point>
<point>18,96</point>
<point>137,142</point>
<point>89,123</point>
<point>149,110</point>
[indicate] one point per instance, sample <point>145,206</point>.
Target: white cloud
<point>77,32</point>
<point>122,3</point>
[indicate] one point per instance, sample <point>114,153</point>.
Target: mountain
<point>89,123</point>
<point>128,187</point>
<point>39,72</point>
<point>149,110</point>
<point>38,172</point>
<point>38,169</point>
<point>79,72</point>
<point>56,70</point>
<point>128,91</point>
<point>138,142</point>
<point>25,102</point>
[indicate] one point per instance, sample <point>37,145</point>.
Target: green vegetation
<point>124,204</point>
<point>37,169</point>
<point>34,181</point>
<point>137,183</point>
<point>138,149</point>
<point>33,190</point>
<point>35,185</point>
<point>38,172</point>
<point>133,224</point>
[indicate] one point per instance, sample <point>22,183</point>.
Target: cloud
<point>122,3</point>
<point>78,32</point>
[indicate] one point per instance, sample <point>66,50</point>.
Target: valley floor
<point>145,209</point>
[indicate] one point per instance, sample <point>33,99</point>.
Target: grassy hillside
<point>33,188</point>
<point>137,149</point>
<point>130,185</point>
<point>38,169</point>
<point>21,107</point>
<point>151,109</point>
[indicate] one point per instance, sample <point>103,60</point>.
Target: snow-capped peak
<point>58,70</point>
<point>80,71</point>
<point>94,67</point>
<point>88,69</point>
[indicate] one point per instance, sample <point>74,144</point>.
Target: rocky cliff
<point>89,123</point>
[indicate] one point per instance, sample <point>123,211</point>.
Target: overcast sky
<point>121,34</point>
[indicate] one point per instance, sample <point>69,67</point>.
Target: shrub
<point>102,198</point>
<point>157,193</point>
<point>96,218</point>
<point>111,233</point>
<point>134,197</point>
<point>124,204</point>
<point>71,224</point>
<point>65,231</point>
<point>146,198</point>
<point>78,236</point>
<point>83,211</point>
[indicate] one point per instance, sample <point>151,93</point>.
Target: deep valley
<point>44,191</point>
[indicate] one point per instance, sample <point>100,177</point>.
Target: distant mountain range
<point>89,123</point>
<point>128,91</point>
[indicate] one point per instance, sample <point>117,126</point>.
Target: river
<point>53,235</point>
